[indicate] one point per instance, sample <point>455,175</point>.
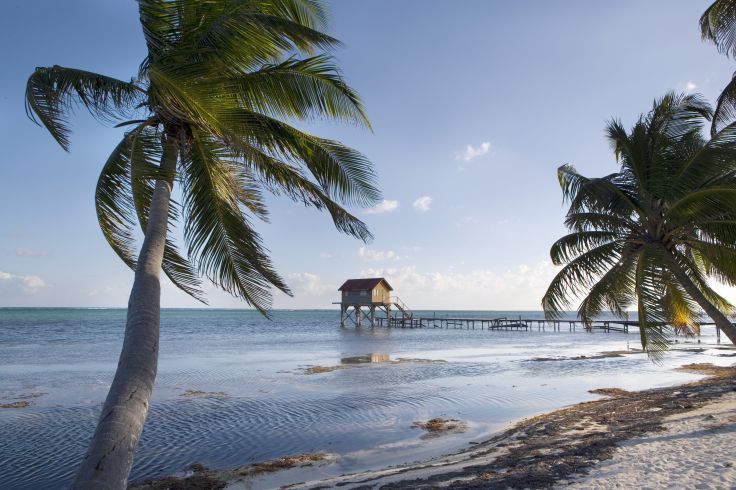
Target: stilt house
<point>370,294</point>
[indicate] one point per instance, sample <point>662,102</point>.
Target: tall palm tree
<point>206,111</point>
<point>654,232</point>
<point>718,25</point>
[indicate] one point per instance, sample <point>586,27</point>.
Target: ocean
<point>234,388</point>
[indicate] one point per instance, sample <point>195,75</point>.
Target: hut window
<point>363,292</point>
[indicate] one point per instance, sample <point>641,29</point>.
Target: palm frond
<point>300,89</point>
<point>574,244</point>
<point>600,221</point>
<point>52,94</point>
<point>280,177</point>
<point>676,115</point>
<point>654,324</point>
<point>718,24</point>
<point>224,245</point>
<point>145,153</point>
<point>725,112</point>
<point>114,203</point>
<point>710,162</point>
<point>689,264</point>
<point>343,173</point>
<point>578,276</point>
<point>614,291</point>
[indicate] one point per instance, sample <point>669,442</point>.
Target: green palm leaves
<point>219,83</point>
<point>718,25</point>
<point>655,231</point>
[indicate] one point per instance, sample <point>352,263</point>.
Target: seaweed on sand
<point>20,404</point>
<point>439,425</point>
<point>203,479</point>
<point>609,392</point>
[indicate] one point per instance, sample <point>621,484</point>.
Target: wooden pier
<point>370,300</point>
<point>502,323</point>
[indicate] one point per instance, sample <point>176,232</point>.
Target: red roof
<point>363,284</point>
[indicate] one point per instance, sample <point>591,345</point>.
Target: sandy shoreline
<point>588,445</point>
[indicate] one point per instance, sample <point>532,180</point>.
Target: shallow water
<point>258,403</point>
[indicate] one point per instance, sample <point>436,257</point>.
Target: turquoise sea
<point>232,388</point>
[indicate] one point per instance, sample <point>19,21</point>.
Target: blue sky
<point>474,104</point>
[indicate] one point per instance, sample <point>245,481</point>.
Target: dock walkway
<point>502,323</point>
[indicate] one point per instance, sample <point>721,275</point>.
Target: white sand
<point>695,451</point>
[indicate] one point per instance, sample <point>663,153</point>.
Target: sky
<point>474,105</point>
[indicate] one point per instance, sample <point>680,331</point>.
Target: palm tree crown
<point>718,25</point>
<point>652,233</point>
<point>214,90</point>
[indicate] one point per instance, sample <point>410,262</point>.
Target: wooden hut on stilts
<point>361,298</point>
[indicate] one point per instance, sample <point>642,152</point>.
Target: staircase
<point>405,311</point>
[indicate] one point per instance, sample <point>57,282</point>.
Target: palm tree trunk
<point>110,454</point>
<point>721,321</point>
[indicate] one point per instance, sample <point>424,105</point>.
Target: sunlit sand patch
<point>369,358</point>
<point>357,361</point>
<point>198,393</point>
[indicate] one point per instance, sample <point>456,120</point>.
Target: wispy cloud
<point>690,87</point>
<point>26,252</point>
<point>325,255</point>
<point>28,284</point>
<point>377,255</point>
<point>385,206</point>
<point>422,203</point>
<point>471,153</point>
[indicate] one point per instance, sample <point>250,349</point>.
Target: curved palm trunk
<point>110,454</point>
<point>721,321</point>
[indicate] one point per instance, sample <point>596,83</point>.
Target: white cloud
<point>26,252</point>
<point>471,153</point>
<point>325,255</point>
<point>377,255</point>
<point>690,87</point>
<point>385,206</point>
<point>422,203</point>
<point>27,284</point>
<point>518,288</point>
<point>307,284</point>
<point>310,291</point>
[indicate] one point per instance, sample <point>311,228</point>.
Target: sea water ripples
<point>217,431</point>
<point>232,389</point>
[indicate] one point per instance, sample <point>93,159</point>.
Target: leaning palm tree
<point>653,233</point>
<point>718,25</point>
<point>206,111</point>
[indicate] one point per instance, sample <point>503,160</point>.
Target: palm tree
<point>206,111</point>
<point>654,232</point>
<point>718,25</point>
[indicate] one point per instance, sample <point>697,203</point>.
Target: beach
<point>676,437</point>
<point>235,389</point>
